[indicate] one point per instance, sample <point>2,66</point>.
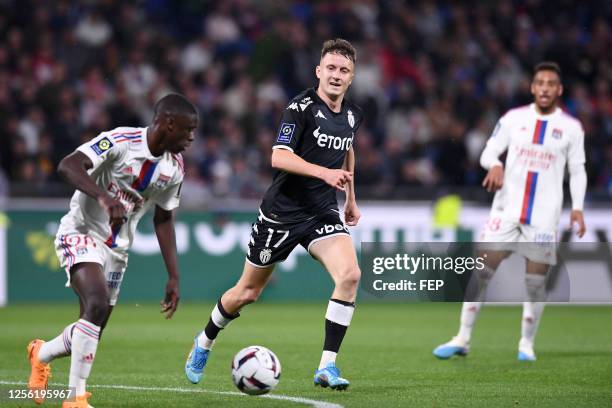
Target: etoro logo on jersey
<point>333,142</point>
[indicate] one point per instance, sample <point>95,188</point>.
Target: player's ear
<point>560,90</point>
<point>170,123</point>
<point>318,71</point>
<point>532,88</point>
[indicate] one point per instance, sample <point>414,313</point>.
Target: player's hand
<point>577,217</point>
<point>351,213</point>
<point>170,302</point>
<point>337,178</point>
<point>115,210</point>
<point>494,180</point>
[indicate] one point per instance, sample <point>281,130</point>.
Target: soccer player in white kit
<point>540,139</point>
<point>118,175</point>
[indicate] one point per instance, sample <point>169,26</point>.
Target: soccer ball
<point>256,370</point>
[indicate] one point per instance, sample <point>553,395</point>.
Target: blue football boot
<point>526,352</point>
<point>196,361</point>
<point>454,347</point>
<point>330,377</point>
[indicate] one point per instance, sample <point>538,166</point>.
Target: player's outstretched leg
<point>532,312</point>
<point>203,342</point>
<point>338,256</point>
<point>246,291</point>
<point>337,319</point>
<point>459,345</point>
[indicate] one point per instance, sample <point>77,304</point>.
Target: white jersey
<point>539,147</point>
<point>124,166</point>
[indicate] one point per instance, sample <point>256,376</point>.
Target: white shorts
<point>535,243</point>
<point>73,247</point>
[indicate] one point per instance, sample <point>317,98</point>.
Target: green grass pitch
<point>386,356</point>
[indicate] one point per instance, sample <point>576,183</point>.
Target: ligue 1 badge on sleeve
<point>101,146</point>
<point>351,118</point>
<point>285,133</point>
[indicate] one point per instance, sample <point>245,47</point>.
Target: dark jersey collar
<point>317,98</point>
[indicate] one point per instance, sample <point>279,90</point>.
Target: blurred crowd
<point>432,77</point>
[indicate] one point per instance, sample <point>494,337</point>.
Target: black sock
<point>334,332</point>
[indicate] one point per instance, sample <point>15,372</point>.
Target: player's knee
<point>350,277</point>
<point>248,296</point>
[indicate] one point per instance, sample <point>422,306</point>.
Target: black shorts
<point>272,241</point>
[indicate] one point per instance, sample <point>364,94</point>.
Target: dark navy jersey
<point>311,130</point>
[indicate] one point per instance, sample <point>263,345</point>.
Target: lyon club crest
<point>351,118</point>
<point>162,181</point>
<point>265,255</point>
<point>557,133</point>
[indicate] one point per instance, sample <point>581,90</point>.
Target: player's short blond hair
<point>341,47</point>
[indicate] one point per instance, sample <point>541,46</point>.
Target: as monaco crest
<point>265,255</point>
<point>351,118</point>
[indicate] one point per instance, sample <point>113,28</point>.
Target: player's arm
<point>351,211</point>
<point>291,129</point>
<point>577,182</point>
<point>489,159</point>
<point>164,229</point>
<point>73,168</point>
<point>286,160</point>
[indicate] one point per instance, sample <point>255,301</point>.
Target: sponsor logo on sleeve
<point>101,146</point>
<point>285,133</point>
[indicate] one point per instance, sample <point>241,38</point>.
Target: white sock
<point>85,338</point>
<point>469,314</point>
<point>533,309</point>
<point>204,342</point>
<point>58,347</point>
<point>326,358</point>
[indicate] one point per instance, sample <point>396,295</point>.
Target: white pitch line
<point>298,400</point>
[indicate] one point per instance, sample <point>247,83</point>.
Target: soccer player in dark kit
<point>313,155</point>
